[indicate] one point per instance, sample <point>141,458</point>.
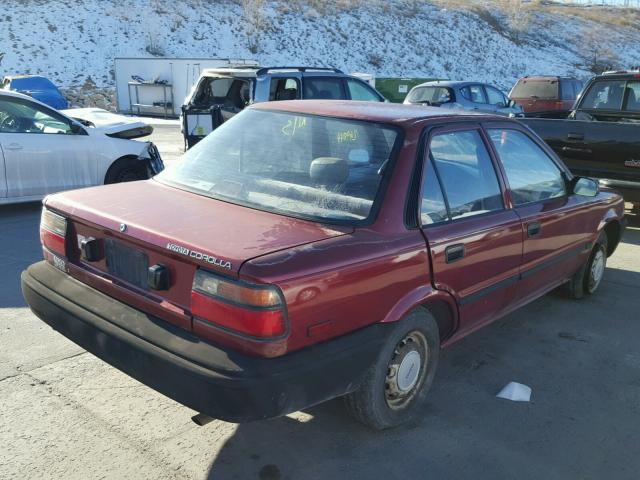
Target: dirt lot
<point>65,414</point>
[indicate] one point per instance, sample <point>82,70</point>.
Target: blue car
<point>37,87</point>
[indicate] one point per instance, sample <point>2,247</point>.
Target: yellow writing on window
<point>293,125</point>
<point>347,136</point>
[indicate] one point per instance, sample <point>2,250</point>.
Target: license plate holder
<point>127,264</point>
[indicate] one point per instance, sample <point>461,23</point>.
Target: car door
<point>478,98</point>
<point>43,151</point>
<point>475,243</point>
<point>555,225</point>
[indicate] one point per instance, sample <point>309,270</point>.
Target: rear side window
<point>325,88</point>
<point>228,92</point>
<point>567,91</point>
<point>474,93</point>
<point>605,95</point>
<point>433,209</point>
<point>539,88</point>
<point>360,91</point>
<point>633,97</point>
<point>469,181</point>
<point>531,173</point>
<point>430,95</point>
<point>284,89</point>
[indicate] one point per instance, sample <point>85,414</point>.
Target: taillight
<point>53,230</point>
<point>249,309</point>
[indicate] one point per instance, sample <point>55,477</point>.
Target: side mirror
<point>587,187</point>
<point>511,104</point>
<point>77,129</point>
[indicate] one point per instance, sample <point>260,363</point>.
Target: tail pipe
<point>201,419</point>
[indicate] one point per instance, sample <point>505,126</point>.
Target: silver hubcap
<point>597,270</point>
<point>409,371</point>
<point>406,370</point>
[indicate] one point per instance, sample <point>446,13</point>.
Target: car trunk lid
<point>139,225</point>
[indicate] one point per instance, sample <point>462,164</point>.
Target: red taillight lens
<point>254,310</point>
<point>53,231</point>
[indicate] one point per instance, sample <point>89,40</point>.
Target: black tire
<point>380,402</point>
<point>587,280</point>
<point>126,170</point>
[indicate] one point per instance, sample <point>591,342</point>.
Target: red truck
<point>314,249</point>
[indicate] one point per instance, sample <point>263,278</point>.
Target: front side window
<point>531,173</point>
<point>19,116</point>
<point>474,93</point>
<point>360,91</point>
<point>284,89</point>
<point>430,95</point>
<point>324,88</point>
<point>298,165</point>
<point>495,96</point>
<point>604,95</point>
<point>466,172</point>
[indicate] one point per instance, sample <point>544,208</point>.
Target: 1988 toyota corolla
<point>308,250</point>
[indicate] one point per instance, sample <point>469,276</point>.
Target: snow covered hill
<point>71,40</point>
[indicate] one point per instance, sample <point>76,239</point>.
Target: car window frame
<point>424,155</point>
<point>565,173</point>
<point>50,112</point>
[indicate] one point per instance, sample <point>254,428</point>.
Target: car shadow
<point>19,247</point>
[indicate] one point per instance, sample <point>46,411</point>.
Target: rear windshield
<point>430,95</point>
<point>298,165</point>
<point>535,89</point>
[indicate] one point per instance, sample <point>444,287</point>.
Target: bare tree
<point>255,22</point>
<point>596,55</point>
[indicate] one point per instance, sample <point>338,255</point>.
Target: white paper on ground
<point>515,392</point>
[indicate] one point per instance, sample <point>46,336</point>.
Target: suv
<point>220,93</point>
<point>548,93</point>
<point>310,250</point>
<point>462,96</point>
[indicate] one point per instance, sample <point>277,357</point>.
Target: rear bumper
<point>221,383</point>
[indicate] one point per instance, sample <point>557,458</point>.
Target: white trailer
<point>177,74</point>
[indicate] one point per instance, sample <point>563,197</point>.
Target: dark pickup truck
<point>601,136</point>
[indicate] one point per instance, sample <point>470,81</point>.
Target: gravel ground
<point>66,414</point>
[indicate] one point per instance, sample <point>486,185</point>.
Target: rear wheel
<point>396,386</point>
<point>587,280</point>
<point>126,170</point>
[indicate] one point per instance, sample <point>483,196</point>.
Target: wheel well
<point>441,311</point>
<point>612,230</point>
<point>108,177</point>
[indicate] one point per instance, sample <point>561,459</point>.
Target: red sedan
<point>307,250</point>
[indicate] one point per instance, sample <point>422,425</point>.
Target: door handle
<point>533,229</point>
<point>13,146</point>
<point>575,136</point>
<point>453,253</point>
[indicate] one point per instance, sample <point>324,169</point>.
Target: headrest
<point>329,170</point>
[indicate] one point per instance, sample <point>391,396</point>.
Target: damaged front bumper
<point>153,160</point>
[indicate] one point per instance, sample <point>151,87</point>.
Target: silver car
<point>463,96</point>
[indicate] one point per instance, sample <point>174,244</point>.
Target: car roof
<point>450,83</point>
<point>546,77</point>
<point>253,71</point>
<point>395,113</point>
